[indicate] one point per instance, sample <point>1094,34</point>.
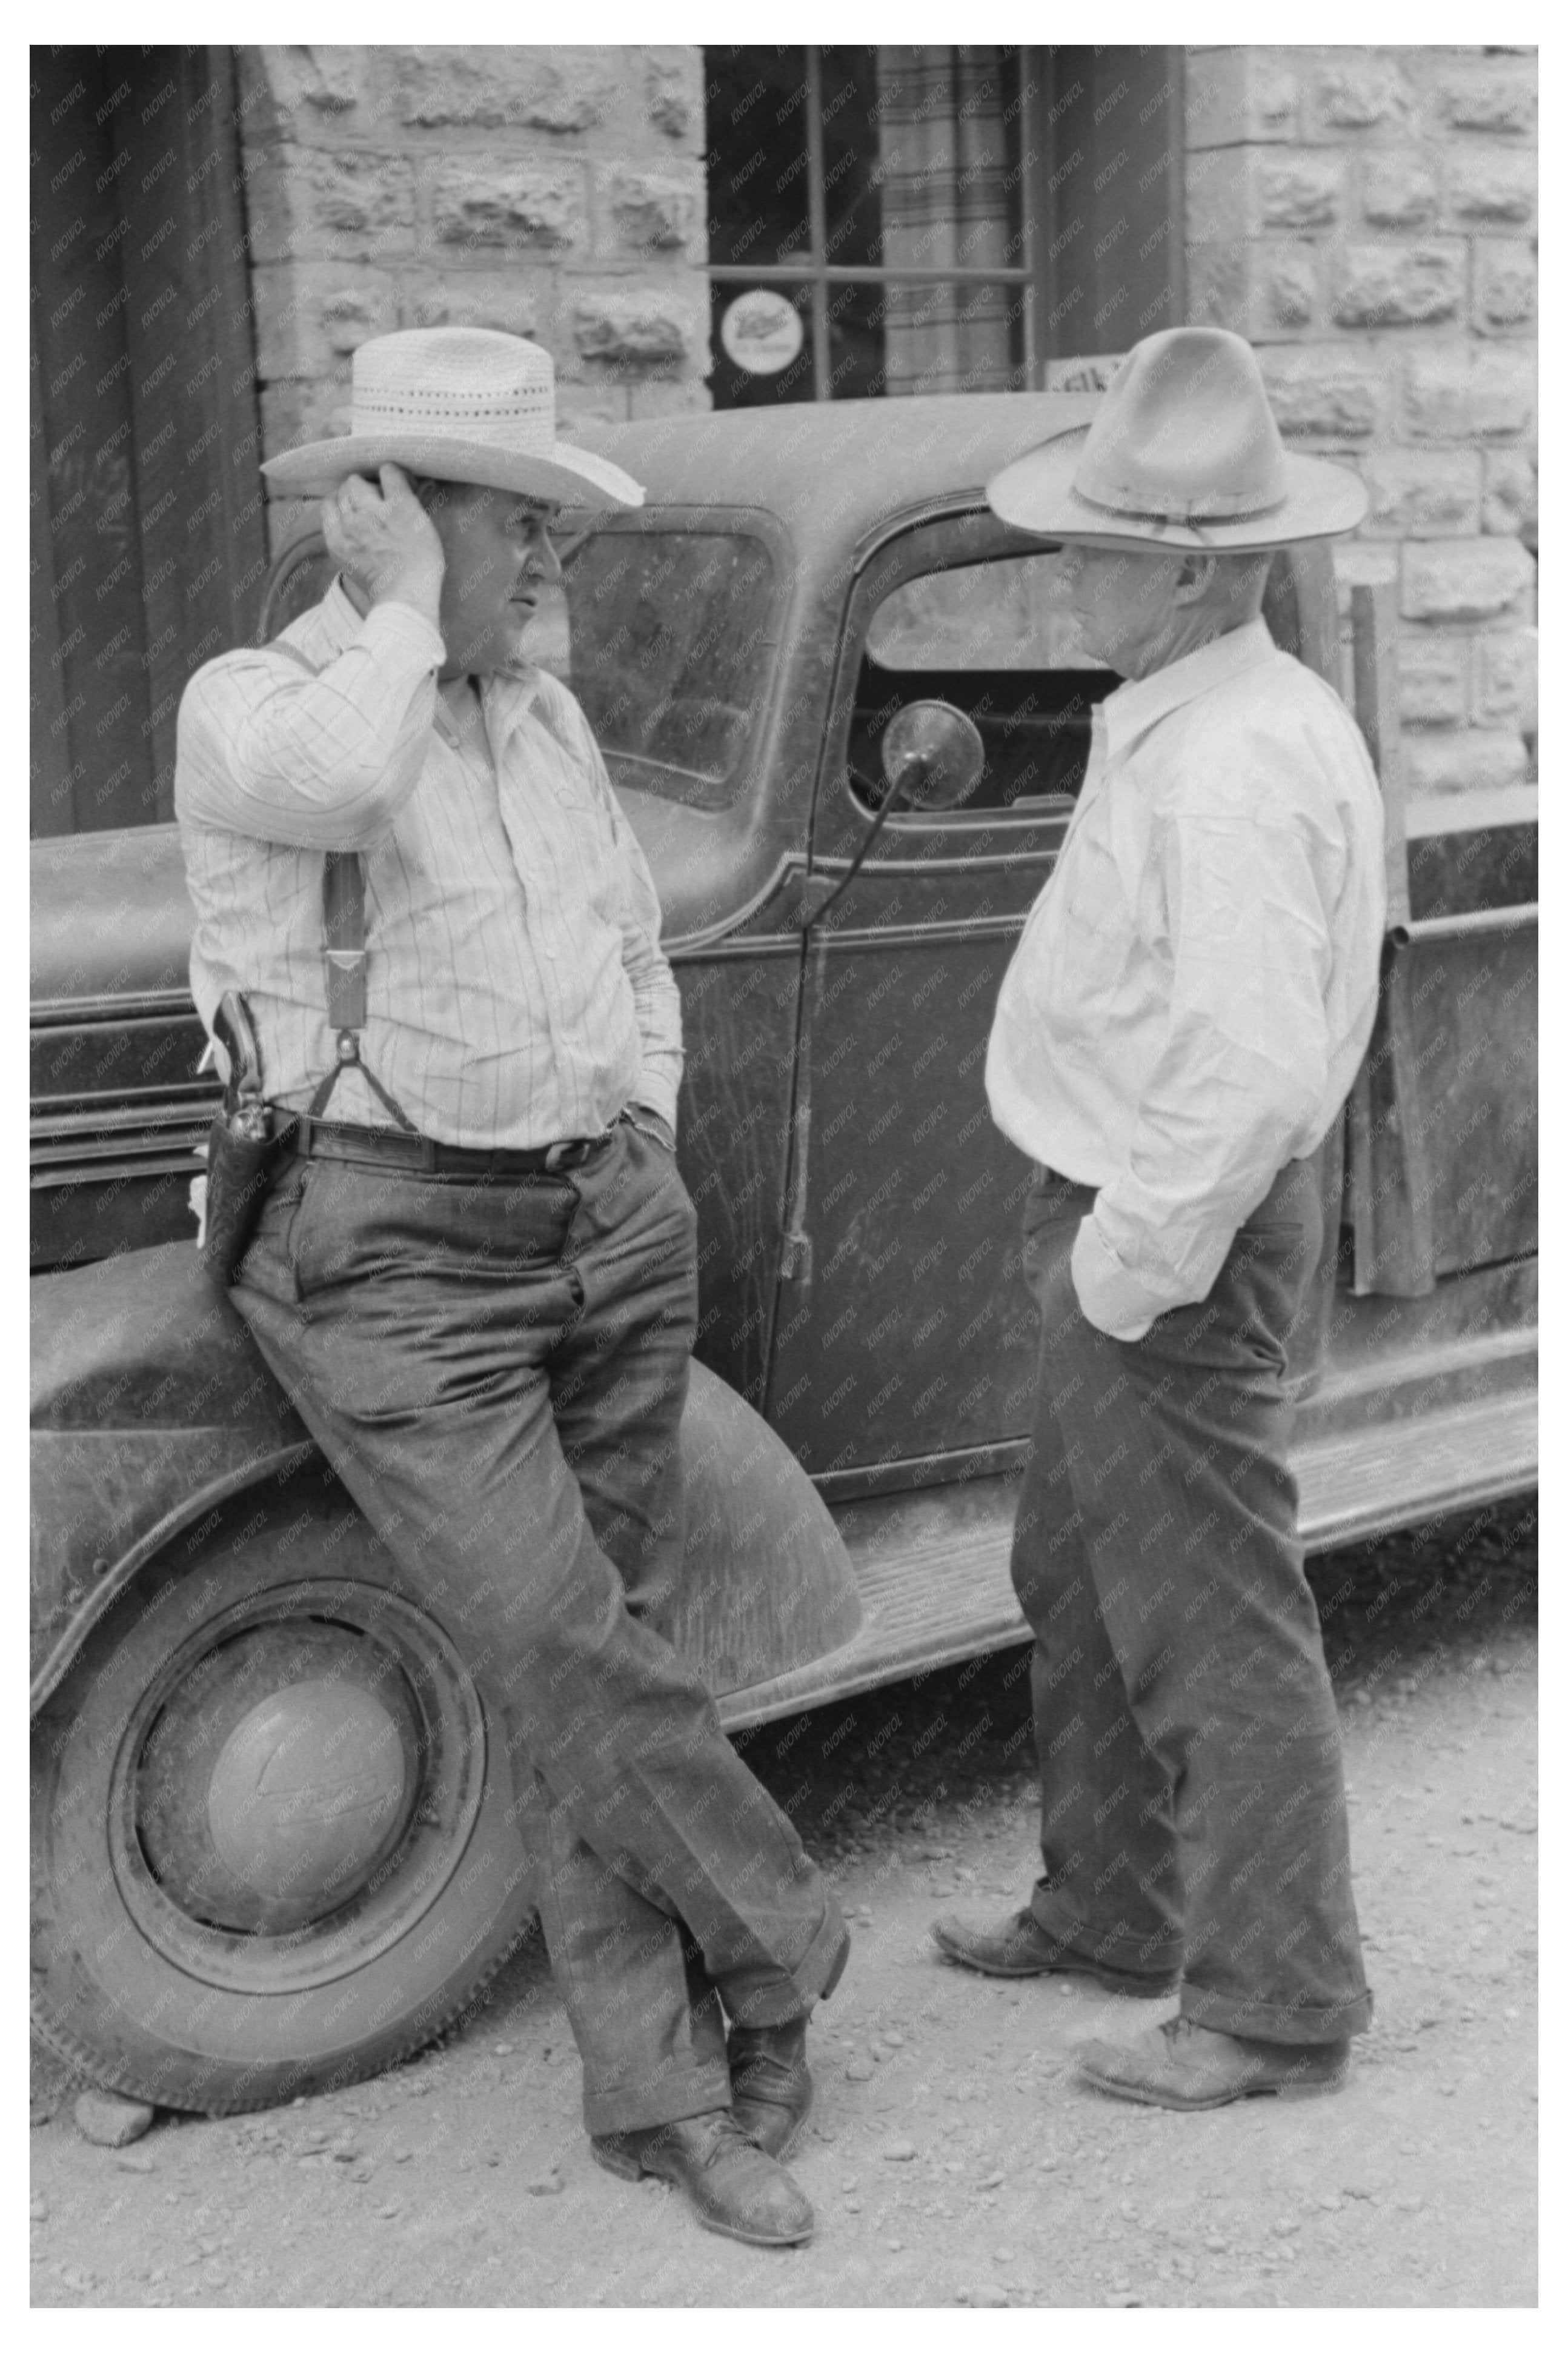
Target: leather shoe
<point>1019,1948</point>
<point>1179,2064</point>
<point>771,2083</point>
<point>736,2187</point>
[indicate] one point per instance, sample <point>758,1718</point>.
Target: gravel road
<point>950,2158</point>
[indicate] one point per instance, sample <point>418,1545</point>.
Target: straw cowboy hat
<point>1184,453</point>
<point>463,405</point>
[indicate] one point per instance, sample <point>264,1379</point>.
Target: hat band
<point>1212,508</point>
<point>526,426</point>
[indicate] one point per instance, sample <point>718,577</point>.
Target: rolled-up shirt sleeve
<point>1244,1063</point>
<point>319,760</point>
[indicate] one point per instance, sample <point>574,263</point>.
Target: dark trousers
<point>1192,1790</point>
<point>497,1372</point>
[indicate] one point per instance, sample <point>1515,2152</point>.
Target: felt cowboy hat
<point>1184,453</point>
<point>462,405</point>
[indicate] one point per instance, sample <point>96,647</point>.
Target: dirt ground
<point>950,2158</point>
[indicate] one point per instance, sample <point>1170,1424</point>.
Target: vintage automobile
<point>272,1847</point>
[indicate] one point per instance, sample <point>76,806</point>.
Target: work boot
<point>1179,2064</point>
<point>1019,1948</point>
<point>771,2083</point>
<point>736,2187</point>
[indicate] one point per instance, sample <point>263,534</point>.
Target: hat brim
<point>1035,494</point>
<point>567,476</point>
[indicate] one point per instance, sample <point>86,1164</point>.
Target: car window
<point>996,640</point>
<point>1010,614</point>
<point>665,638</point>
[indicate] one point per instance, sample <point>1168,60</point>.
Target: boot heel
<point>619,2161</point>
<point>1315,2087</point>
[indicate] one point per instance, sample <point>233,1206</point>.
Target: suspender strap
<point>343,957</point>
<point>343,927</point>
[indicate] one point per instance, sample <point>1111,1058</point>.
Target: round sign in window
<point>762,331</point>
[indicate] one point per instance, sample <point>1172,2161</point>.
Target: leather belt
<point>389,1147</point>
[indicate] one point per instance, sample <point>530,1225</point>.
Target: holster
<point>241,1169</point>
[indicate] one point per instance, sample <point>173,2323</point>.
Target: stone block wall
<point>1367,217</point>
<point>552,192</point>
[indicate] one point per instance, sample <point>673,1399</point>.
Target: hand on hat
<point>385,541</point>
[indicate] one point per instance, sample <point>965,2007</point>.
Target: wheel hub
<point>278,1777</point>
<point>304,1791</point>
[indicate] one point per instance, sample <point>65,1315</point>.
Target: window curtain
<point>946,203</point>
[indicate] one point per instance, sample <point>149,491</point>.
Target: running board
<point>933,1566</point>
<point>1361,1483</point>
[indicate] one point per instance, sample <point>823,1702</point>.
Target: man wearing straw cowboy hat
<point>475,1270</point>
<point>1174,1037</point>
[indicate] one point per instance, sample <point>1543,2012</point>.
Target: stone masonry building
<point>1366,216</point>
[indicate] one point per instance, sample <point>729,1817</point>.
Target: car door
<point>904,1339</point>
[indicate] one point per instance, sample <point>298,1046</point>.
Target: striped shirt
<point>1196,985</point>
<point>516,991</point>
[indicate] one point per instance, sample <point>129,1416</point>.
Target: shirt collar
<point>1132,709</point>
<point>508,692</point>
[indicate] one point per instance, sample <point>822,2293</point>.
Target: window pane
<point>851,156</point>
<point>670,643</point>
<point>953,338</point>
<point>894,339</point>
<point>758,204</point>
<point>1009,614</point>
<point>921,157</point>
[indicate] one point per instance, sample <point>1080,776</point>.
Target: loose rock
<point>110,2121</point>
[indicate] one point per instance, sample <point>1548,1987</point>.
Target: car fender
<point>152,1409</point>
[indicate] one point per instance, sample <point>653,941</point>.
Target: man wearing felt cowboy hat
<point>475,1271</point>
<point>1174,1037</point>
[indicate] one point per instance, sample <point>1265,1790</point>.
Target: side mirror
<point>933,757</point>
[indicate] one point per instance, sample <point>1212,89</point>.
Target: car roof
<point>848,466</point>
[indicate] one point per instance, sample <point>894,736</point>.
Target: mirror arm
<point>895,794</point>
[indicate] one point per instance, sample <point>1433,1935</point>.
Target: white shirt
<point>1196,985</point>
<point>516,991</point>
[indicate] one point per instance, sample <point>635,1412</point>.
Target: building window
<point>869,223</point>
<point>928,218</point>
